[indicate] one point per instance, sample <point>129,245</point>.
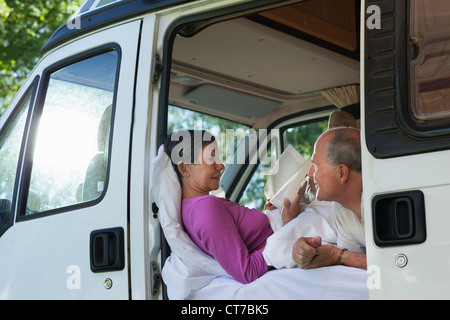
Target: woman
<point>233,234</point>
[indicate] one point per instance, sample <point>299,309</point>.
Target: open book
<point>286,176</point>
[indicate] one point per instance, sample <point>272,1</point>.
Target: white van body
<point>110,246</point>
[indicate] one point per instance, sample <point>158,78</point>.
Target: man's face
<point>325,176</point>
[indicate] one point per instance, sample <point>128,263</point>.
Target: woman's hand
<point>269,206</point>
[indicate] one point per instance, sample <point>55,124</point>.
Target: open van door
<point>407,140</point>
<point>65,192</point>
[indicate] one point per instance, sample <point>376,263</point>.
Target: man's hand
<point>304,250</point>
<point>309,253</point>
<point>291,210</point>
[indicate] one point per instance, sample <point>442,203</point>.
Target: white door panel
<point>405,149</point>
<point>47,254</point>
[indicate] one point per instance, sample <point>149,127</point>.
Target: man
<point>337,173</point>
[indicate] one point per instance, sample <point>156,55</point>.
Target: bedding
<point>315,220</point>
<point>189,273</point>
<point>186,281</point>
<point>329,283</point>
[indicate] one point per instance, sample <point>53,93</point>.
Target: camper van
<point>79,218</point>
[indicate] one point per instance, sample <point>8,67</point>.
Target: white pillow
<point>166,192</point>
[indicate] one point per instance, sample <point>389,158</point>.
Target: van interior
<point>299,62</point>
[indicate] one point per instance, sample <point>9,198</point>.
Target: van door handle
<point>399,218</point>
<point>107,250</point>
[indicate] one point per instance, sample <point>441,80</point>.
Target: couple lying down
<point>228,239</point>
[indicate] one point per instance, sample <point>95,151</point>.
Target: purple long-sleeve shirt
<point>232,234</point>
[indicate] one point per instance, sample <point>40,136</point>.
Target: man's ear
<point>344,173</point>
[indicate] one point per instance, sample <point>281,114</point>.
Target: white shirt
<point>350,229</point>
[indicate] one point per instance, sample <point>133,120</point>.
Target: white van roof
<point>99,13</point>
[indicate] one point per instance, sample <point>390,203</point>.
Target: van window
<point>71,150</point>
<point>407,80</point>
<point>222,129</point>
<point>302,137</point>
<point>430,71</point>
<point>10,146</point>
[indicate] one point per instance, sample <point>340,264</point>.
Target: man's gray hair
<point>345,147</point>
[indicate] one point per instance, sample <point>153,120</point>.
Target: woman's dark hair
<point>186,145</point>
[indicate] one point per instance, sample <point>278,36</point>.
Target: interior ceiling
<point>253,54</point>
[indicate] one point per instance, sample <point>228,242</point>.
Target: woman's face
<point>204,175</point>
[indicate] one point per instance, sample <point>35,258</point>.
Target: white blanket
<point>330,283</point>
<point>189,273</point>
<point>315,220</point>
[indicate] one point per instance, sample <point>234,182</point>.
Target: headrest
<point>104,129</point>
<point>342,119</point>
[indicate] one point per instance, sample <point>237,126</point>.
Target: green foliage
<point>25,26</point>
<point>179,118</point>
<point>303,137</point>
